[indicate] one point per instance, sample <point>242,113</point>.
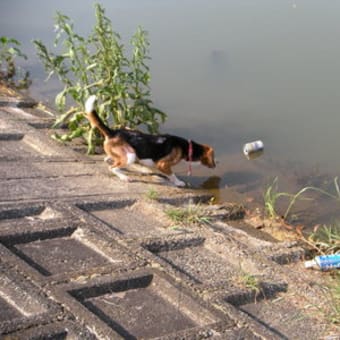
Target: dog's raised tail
<point>93,117</point>
<point>89,104</point>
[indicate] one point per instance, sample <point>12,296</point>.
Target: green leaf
<point>64,117</point>
<point>60,100</point>
<point>76,133</point>
<point>4,40</point>
<point>90,67</point>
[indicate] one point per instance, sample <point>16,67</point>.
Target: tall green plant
<point>9,71</point>
<point>99,64</point>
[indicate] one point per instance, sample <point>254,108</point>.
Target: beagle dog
<point>124,147</point>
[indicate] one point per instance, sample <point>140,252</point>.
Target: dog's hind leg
<point>116,166</point>
<point>108,160</point>
<point>131,158</point>
<point>118,172</point>
<point>119,156</point>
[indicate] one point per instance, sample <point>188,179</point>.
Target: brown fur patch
<point>117,149</point>
<point>164,165</point>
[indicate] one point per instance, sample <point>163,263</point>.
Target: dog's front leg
<point>177,182</point>
<point>165,168</point>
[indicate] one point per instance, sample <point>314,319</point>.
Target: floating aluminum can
<point>253,150</point>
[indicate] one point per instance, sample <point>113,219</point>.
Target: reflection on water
<point>226,72</point>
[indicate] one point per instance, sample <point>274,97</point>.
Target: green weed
<point>152,194</point>
<point>99,65</point>
<point>249,281</point>
<point>192,214</point>
<point>325,239</point>
<point>9,71</point>
<point>272,195</point>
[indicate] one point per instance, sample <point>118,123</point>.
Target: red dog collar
<point>190,158</point>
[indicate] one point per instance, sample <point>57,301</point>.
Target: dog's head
<point>208,157</point>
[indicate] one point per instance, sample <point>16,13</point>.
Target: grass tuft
<point>250,281</point>
<point>272,195</point>
<point>326,239</point>
<point>152,194</point>
<point>192,214</point>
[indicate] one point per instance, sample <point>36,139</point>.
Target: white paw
<point>180,184</point>
<point>120,175</point>
<point>174,180</point>
<point>108,160</point>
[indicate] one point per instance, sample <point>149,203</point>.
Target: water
<point>227,72</point>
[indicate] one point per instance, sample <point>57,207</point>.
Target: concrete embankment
<point>84,255</point>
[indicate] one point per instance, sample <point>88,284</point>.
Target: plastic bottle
<point>324,262</point>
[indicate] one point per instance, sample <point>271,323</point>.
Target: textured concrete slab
<point>142,304</point>
<point>45,169</point>
<point>58,188</point>
<point>54,248</point>
<point>6,101</point>
<point>57,330</point>
<point>22,303</point>
<point>131,219</point>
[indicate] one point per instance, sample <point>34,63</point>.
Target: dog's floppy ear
<point>208,157</point>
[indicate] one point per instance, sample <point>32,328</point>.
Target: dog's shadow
<point>244,180</point>
<point>151,177</point>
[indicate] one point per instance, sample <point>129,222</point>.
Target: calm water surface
<point>226,72</point>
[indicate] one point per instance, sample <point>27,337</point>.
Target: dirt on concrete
<point>86,256</point>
